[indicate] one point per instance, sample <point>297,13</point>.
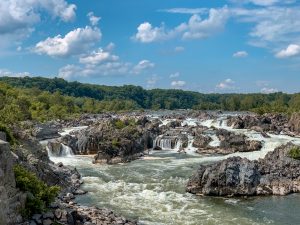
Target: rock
<point>79,192</point>
<point>45,131</point>
<point>47,222</point>
<point>276,174</point>
<point>37,218</point>
<point>48,215</point>
<point>32,222</point>
<point>2,136</point>
<point>10,199</point>
<point>58,213</point>
<point>294,123</point>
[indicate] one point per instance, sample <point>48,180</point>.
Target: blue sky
<point>207,46</point>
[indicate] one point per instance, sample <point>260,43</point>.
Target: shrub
<point>119,124</point>
<point>295,153</point>
<point>39,195</point>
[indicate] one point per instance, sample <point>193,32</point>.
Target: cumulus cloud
<point>102,62</point>
<point>178,84</point>
<point>8,73</point>
<point>227,84</point>
<point>17,18</point>
<point>75,42</point>
<point>290,51</point>
<point>267,90</point>
<point>195,28</point>
<point>174,75</point>
<point>240,54</point>
<point>98,57</point>
<point>142,66</point>
<point>94,20</point>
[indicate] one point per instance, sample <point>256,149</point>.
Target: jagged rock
<point>276,174</point>
<point>45,131</point>
<point>294,123</point>
<point>10,199</point>
<point>2,136</point>
<point>201,141</point>
<point>266,123</point>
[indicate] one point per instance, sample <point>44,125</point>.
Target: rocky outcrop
<point>276,174</point>
<point>236,142</point>
<point>113,140</point>
<point>229,143</point>
<point>45,131</point>
<point>10,199</point>
<point>294,123</point>
<point>266,123</point>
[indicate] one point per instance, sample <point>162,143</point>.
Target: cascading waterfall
<point>66,151</point>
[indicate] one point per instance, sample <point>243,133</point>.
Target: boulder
<point>276,174</point>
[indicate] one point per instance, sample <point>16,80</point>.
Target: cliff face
<point>294,123</point>
<point>10,199</point>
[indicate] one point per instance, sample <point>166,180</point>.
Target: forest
<point>41,99</point>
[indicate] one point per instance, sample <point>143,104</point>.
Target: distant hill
<point>162,98</point>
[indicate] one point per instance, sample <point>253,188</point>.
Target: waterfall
<point>66,151</point>
<point>165,142</point>
<point>178,145</point>
<point>215,141</point>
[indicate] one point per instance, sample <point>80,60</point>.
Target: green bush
<point>119,124</point>
<point>10,138</point>
<point>39,195</point>
<point>295,153</point>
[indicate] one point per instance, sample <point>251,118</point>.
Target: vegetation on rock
<point>39,195</point>
<point>295,153</point>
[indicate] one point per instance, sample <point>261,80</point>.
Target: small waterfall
<point>56,149</point>
<point>178,145</point>
<point>165,142</point>
<point>215,141</point>
<point>66,151</point>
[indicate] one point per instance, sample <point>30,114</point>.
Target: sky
<point>209,46</point>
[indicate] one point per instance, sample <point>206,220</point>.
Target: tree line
<point>43,99</point>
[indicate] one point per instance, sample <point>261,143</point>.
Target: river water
<point>152,189</point>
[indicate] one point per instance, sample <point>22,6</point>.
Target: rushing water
<point>152,189</point>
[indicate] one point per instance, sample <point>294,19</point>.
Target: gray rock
<point>276,174</point>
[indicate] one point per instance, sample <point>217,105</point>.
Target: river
<point>152,189</point>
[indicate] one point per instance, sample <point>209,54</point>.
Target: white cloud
<point>273,26</point>
<point>178,84</point>
<point>98,57</point>
<point>179,49</point>
<point>263,2</point>
<point>17,18</point>
<point>291,50</point>
<point>174,75</point>
<point>8,73</point>
<point>267,90</point>
<point>227,84</point>
<point>195,28</point>
<point>94,20</point>
<point>75,42</point>
<point>185,10</point>
<point>142,66</point>
<point>240,54</point>
<point>152,81</point>
<point>103,62</point>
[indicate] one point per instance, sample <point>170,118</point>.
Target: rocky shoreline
<point>125,137</point>
<point>276,174</point>
<point>32,156</point>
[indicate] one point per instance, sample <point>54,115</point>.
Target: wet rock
<point>276,174</point>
